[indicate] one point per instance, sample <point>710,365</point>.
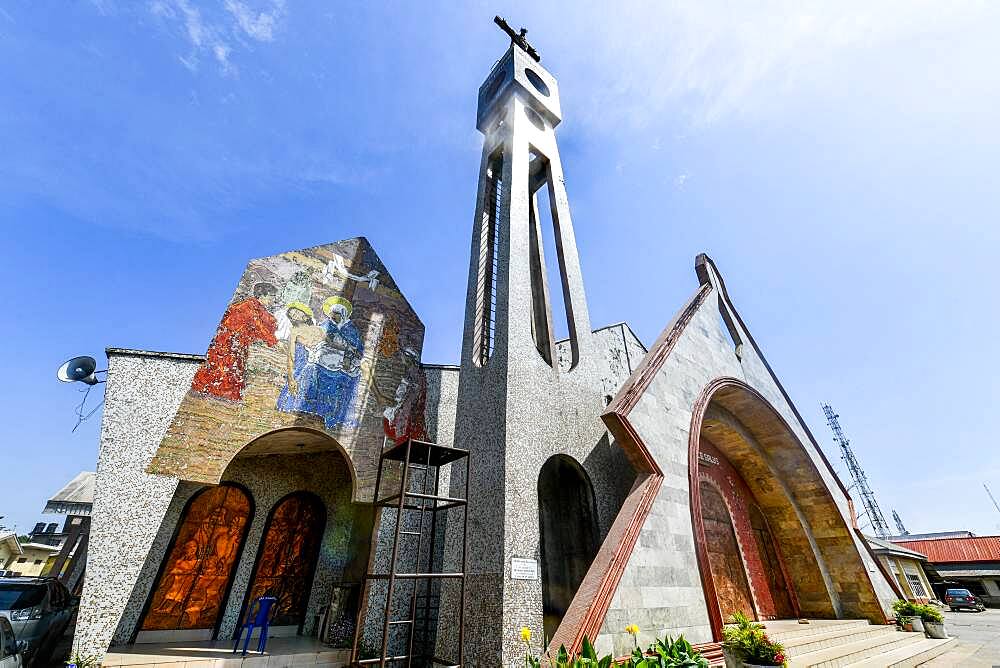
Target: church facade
<point>608,484</point>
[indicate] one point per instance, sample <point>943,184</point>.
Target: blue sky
<point>838,161</point>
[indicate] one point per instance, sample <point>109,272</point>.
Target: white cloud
<point>724,60</point>
<point>259,27</point>
<point>209,29</point>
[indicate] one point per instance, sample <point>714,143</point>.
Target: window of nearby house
<point>916,585</point>
<point>38,561</point>
<point>22,560</point>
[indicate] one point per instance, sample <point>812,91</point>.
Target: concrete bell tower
<point>523,398</point>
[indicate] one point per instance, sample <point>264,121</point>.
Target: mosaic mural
<point>318,338</point>
<point>195,576</point>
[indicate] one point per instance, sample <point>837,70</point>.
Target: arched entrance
<point>779,502</point>
<point>286,560</point>
<point>193,583</point>
<point>567,522</point>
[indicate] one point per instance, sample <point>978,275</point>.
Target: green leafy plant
<point>906,609</point>
<point>669,653</point>
<point>82,661</point>
<point>929,613</point>
<point>748,640</point>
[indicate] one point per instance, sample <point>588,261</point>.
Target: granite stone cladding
<point>141,395</point>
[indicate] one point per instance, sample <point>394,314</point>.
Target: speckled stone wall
<point>141,395</point>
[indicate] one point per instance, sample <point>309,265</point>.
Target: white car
<point>11,650</point>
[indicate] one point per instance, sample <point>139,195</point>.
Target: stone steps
<point>852,643</point>
<point>836,637</point>
<point>786,630</point>
<point>914,654</point>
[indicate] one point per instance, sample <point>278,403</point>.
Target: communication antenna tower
<point>995,504</point>
<point>899,524</point>
<point>874,513</point>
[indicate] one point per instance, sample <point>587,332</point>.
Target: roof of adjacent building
<point>76,497</point>
<point>41,547</point>
<point>938,535</point>
<point>880,546</point>
<point>11,539</point>
<point>956,550</point>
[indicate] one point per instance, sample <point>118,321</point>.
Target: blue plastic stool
<point>261,619</point>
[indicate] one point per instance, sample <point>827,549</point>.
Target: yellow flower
<point>632,629</point>
<point>525,634</point>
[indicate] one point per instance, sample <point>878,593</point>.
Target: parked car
<point>11,649</point>
<point>39,609</point>
<point>957,599</point>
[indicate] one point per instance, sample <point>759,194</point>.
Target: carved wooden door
<point>783,608</point>
<point>288,556</point>
<point>190,591</point>
<point>728,573</point>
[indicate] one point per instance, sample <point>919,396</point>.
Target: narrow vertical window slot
<point>489,258</point>
<point>552,309</point>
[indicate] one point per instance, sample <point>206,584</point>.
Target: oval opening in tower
<point>536,81</point>
<point>535,119</point>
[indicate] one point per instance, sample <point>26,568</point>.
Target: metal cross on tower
<point>519,38</point>
<point>874,513</point>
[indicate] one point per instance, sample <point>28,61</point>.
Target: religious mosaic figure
<point>405,417</point>
<point>223,373</point>
<point>296,291</point>
<point>323,367</point>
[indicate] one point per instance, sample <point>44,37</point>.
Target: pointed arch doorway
<point>286,560</point>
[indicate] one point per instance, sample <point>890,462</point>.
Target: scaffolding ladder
<point>417,504</point>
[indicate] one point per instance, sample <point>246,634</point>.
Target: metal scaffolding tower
<point>899,523</point>
<point>407,572</point>
<point>874,513</point>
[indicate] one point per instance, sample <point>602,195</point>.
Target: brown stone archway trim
<point>701,547</point>
<point>590,605</point>
<point>700,543</point>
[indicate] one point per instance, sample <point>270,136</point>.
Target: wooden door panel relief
<point>191,589</point>
<point>724,555</point>
<point>768,551</point>
<point>287,558</point>
<point>733,519</point>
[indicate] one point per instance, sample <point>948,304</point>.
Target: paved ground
<point>977,639</point>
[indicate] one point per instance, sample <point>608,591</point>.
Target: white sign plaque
<point>523,569</point>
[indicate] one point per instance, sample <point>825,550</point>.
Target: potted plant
<point>908,616</point>
<point>745,644</point>
<point>933,622</point>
